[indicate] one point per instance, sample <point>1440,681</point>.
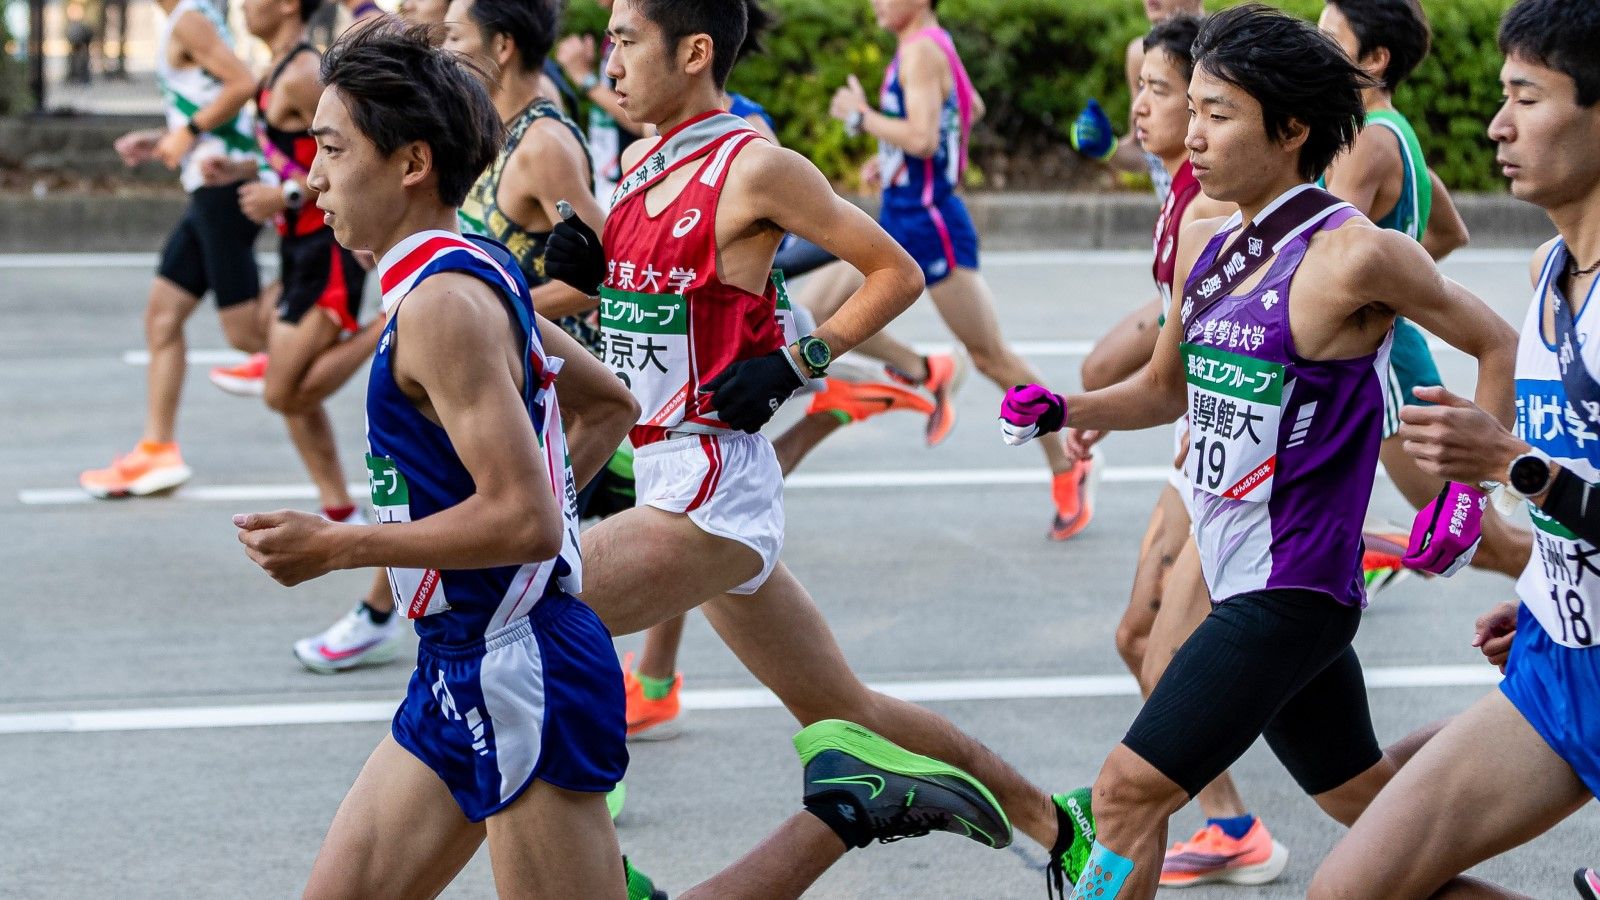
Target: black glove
<point>748,392</point>
<point>573,254</point>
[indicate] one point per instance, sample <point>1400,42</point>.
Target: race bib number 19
<point>1235,406</point>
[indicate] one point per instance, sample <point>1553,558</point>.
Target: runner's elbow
<point>536,538</point>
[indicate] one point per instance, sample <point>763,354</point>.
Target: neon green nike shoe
<point>876,790</point>
<point>616,799</point>
<point>640,887</point>
<point>1074,840</point>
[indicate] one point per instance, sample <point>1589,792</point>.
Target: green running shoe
<point>1074,840</point>
<point>616,799</point>
<point>640,887</point>
<point>882,791</point>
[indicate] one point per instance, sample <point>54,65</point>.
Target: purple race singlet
<point>1283,449</point>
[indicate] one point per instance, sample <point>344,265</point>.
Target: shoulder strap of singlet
<point>1582,390</point>
<point>277,71</point>
<point>1298,211</point>
<point>683,144</point>
<point>1416,166</point>
<point>961,81</point>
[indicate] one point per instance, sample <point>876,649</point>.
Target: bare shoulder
<point>923,56</point>
<point>765,168</point>
<point>452,309</point>
<point>1540,257</point>
<point>546,139</point>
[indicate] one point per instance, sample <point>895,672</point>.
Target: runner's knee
<point>1130,795</point>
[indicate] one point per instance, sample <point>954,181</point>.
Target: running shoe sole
<point>167,478</point>
<point>382,653</point>
<point>870,749</point>
<point>1260,873</point>
<point>665,731</point>
<point>239,387</point>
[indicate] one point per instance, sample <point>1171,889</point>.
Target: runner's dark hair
<point>1557,34</point>
<point>1399,26</point>
<point>1297,74</point>
<point>531,24</point>
<point>1176,36</point>
<point>757,21</point>
<point>723,20</point>
<point>400,87</point>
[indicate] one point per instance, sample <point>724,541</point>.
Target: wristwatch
<point>294,196</point>
<point>1529,475</point>
<point>192,128</point>
<point>815,354</point>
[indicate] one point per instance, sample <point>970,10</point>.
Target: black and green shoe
<point>872,789</point>
<point>640,887</point>
<point>1074,840</point>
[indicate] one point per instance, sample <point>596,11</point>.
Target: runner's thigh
<point>398,833</point>
<point>1483,785</point>
<point>555,844</point>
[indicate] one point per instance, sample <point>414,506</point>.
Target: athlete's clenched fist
<point>1029,411</point>
<point>573,254</point>
<point>748,392</point>
<point>289,545</point>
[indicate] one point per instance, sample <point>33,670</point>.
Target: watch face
<point>816,353</point>
<point>1529,474</point>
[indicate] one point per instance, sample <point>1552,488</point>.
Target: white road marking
<point>987,689</point>
<point>195,357</point>
<point>804,481</point>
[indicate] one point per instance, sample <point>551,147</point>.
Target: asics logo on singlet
<point>686,224</point>
<point>473,718</point>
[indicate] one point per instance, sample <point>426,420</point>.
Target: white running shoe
<point>353,641</point>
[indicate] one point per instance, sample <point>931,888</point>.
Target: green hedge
<point>1036,62</point>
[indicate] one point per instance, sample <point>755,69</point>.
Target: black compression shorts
<point>1276,663</point>
<point>213,248</point>
<point>317,272</point>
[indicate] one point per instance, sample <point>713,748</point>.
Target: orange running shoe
<point>650,720</point>
<point>1381,565</point>
<point>247,379</point>
<point>1211,857</point>
<point>149,469</point>
<point>1074,495</point>
<point>946,373</point>
<point>859,401</point>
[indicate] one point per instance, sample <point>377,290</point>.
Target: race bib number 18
<point>1235,406</point>
<point>1566,601</point>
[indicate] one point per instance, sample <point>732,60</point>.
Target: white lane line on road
<point>195,357</point>
<point>347,712</point>
<point>804,481</point>
<point>1479,256</point>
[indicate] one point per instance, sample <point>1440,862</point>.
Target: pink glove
<point>1447,531</point>
<point>1029,411</point>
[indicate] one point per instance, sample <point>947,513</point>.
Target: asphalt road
<point>931,565</point>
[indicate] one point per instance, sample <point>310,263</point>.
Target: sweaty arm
<point>1447,231</point>
<point>923,73</point>
<point>596,408</point>
<point>1155,394</point>
<point>454,354</point>
<point>780,186</point>
<point>546,169</point>
<point>1386,268</point>
<point>200,40</point>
